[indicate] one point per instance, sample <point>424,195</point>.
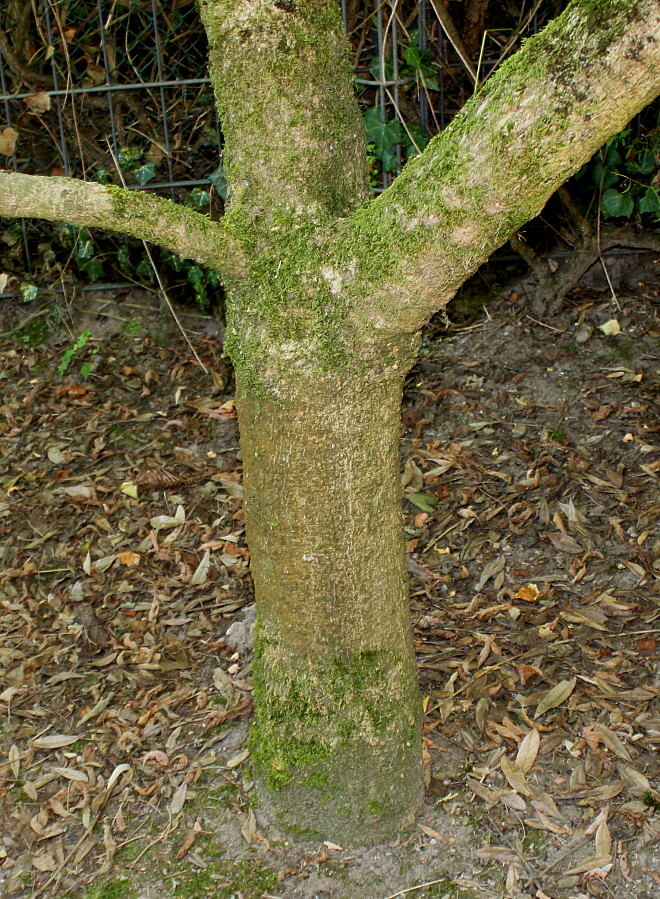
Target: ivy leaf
<point>130,156</point>
<point>219,182</point>
<point>123,260</point>
<point>85,246</point>
<point>195,274</point>
<point>93,268</point>
<point>374,68</point>
<point>650,202</point>
<point>644,163</point>
<point>383,136</point>
<point>199,199</point>
<point>29,292</point>
<point>145,173</point>
<point>420,62</point>
<point>102,176</point>
<point>602,173</point>
<point>415,141</point>
<point>145,269</point>
<point>614,204</point>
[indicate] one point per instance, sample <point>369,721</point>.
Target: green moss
<point>223,878</point>
<point>307,715</point>
<point>112,889</point>
<point>534,839</point>
<point>446,889</point>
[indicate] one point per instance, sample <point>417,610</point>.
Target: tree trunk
<point>336,737</point>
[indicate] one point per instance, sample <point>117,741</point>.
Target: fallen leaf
<point>8,138</point>
<point>556,696</point>
<point>44,862</point>
<point>201,572</point>
<point>178,800</point>
<point>128,558</point>
<point>565,543</point>
<point>249,827</point>
<point>528,593</point>
<point>237,759</point>
<point>528,750</point>
<point>55,741</point>
<point>14,757</point>
<point>39,102</point>
<point>514,776</point>
<point>610,327</point>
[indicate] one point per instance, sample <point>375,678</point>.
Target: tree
<point>328,289</point>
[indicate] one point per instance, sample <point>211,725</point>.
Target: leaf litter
<point>530,465</point>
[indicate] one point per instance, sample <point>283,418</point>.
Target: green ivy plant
<point>384,136</point>
<point>623,177</point>
<point>69,354</point>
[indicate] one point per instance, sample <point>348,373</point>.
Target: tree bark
<point>335,741</point>
<point>137,213</point>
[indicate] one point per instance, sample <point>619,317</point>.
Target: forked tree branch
<point>542,115</point>
<point>136,213</point>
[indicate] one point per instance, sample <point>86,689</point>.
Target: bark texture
<point>335,742</point>
<point>92,205</point>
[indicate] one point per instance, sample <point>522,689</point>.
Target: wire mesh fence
<point>117,91</point>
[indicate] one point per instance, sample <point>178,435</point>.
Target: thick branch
<point>137,213</point>
<point>294,144</point>
<point>541,116</point>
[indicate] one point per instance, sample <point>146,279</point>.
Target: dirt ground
<point>530,463</point>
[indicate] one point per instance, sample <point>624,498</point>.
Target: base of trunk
<point>336,745</point>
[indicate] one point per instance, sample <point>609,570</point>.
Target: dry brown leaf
<point>603,840</point>
<point>178,800</point>
<point>14,757</point>
<point>189,841</point>
<point>39,102</point>
<point>634,781</point>
<point>514,776</point>
<point>565,543</point>
<point>528,750</point>
<point>553,698</point>
<point>490,797</point>
<point>434,834</point>
<point>612,742</point>
<point>56,741</point>
<point>70,774</point>
<point>249,827</point>
<point>528,593</point>
<point>128,558</point>
<point>238,759</point>
<point>590,864</point>
<point>513,801</point>
<point>44,862</point>
<point>8,138</point>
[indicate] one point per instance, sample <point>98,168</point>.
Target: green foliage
<point>202,280</point>
<point>383,137</point>
<point>622,177</point>
<point>417,68</point>
<point>29,291</point>
<point>69,354</point>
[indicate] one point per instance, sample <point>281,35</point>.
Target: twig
<point>543,325</point>
<point>454,39</point>
<point>420,886</point>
